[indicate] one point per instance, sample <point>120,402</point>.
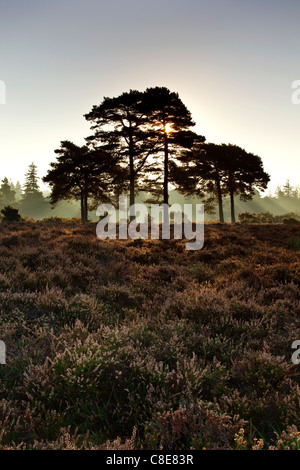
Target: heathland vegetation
<point>142,345</point>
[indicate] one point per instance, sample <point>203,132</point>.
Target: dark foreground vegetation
<point>143,345</point>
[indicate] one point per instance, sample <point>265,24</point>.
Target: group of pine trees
<point>144,143</point>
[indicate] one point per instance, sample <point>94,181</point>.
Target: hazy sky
<point>231,61</point>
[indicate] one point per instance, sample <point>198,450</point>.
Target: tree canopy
<point>144,141</point>
<point>121,128</point>
<point>82,173</point>
<point>213,171</point>
<point>171,121</point>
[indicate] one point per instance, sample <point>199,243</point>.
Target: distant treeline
<point>30,200</point>
<point>283,203</point>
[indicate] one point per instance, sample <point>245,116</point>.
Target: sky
<point>232,62</point>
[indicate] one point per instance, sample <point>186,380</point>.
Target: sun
<point>168,128</point>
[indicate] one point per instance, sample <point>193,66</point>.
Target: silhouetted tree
<point>244,174</point>
<point>83,174</point>
<point>170,119</point>
<point>221,170</point>
<point>121,128</point>
<point>201,174</point>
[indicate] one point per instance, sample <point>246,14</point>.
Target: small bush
<point>268,218</point>
<point>10,214</point>
<point>291,221</point>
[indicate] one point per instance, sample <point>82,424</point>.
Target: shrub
<point>269,218</point>
<point>290,221</point>
<point>193,427</point>
<point>10,214</point>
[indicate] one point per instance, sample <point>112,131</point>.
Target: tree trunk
<point>131,196</point>
<point>86,207</point>
<point>166,177</point>
<point>220,203</point>
<point>232,207</point>
<point>166,170</point>
<point>83,207</point>
<point>131,177</point>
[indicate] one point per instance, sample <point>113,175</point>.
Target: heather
<point>142,345</point>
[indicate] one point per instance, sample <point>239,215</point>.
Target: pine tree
<point>18,190</point>
<point>220,170</point>
<point>202,173</point>
<point>289,190</point>
<point>244,174</point>
<point>32,203</point>
<point>31,186</point>
<point>84,174</point>
<point>171,122</point>
<point>7,194</point>
<point>279,192</point>
<point>121,128</point>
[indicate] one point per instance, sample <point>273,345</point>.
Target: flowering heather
<point>143,345</point>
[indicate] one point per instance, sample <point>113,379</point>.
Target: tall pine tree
<point>32,203</point>
<point>121,128</point>
<point>171,122</point>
